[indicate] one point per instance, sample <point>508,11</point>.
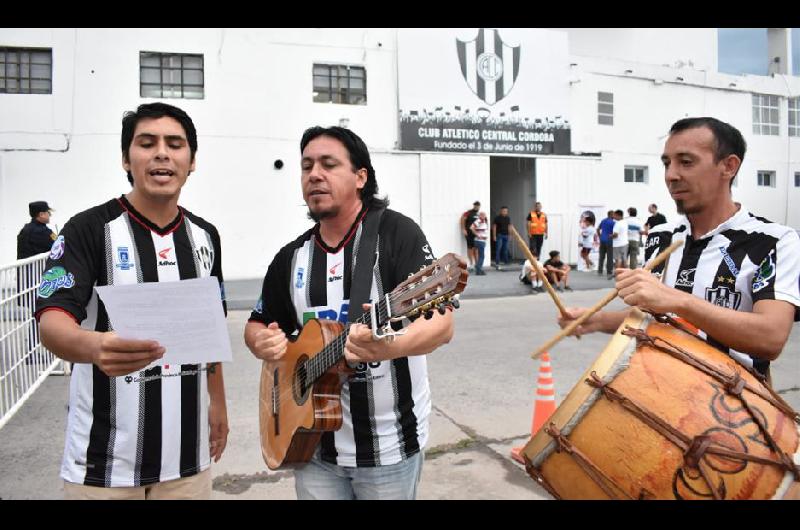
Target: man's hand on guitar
<point>270,343</point>
<point>361,346</point>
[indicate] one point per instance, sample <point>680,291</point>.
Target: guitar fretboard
<point>334,350</point>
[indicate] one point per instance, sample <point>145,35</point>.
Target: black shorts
<point>470,240</point>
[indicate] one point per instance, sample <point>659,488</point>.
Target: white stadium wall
<point>64,147</point>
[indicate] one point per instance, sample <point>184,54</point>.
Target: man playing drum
<point>736,276</point>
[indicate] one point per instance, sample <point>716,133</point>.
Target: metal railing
<point>24,362</point>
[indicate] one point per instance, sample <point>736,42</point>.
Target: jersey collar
<point>347,237</point>
<point>144,221</point>
<point>732,222</point>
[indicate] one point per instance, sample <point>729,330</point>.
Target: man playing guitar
<point>378,451</point>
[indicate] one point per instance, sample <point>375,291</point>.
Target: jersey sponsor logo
<point>685,278</point>
<point>363,372</point>
<point>426,248</point>
<point>334,277</point>
<point>259,308</point>
<point>766,271</point>
<point>729,261</point>
<point>124,258</point>
<point>328,314</point>
<point>165,261</point>
<point>55,279</point>
<point>205,256</point>
<point>724,297</point>
<point>134,379</point>
<point>57,250</point>
<point>299,280</point>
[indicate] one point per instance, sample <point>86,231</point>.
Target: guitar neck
<point>333,352</point>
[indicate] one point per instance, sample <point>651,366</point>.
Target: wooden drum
<point>661,414</point>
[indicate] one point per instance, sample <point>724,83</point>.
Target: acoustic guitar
<point>300,394</point>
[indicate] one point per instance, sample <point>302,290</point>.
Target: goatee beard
<point>318,216</point>
<point>679,206</point>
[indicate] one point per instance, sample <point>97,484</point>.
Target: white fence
<point>24,362</point>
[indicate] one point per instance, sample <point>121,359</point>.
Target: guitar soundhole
<point>300,382</point>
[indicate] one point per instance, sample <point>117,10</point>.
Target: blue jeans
<point>480,244</point>
<point>502,249</point>
<point>320,480</point>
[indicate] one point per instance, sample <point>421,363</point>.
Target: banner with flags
<point>484,90</point>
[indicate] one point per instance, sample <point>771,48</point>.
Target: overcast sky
<point>744,51</point>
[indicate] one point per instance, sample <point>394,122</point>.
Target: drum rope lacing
<point>733,383</point>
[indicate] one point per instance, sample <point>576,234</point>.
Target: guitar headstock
<point>433,287</point>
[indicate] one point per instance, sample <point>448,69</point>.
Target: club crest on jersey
<point>299,280</point>
<point>57,250</point>
<point>124,258</point>
<point>259,308</point>
<point>766,271</point>
<point>426,248</point>
<point>724,297</point>
<point>205,256</point>
<point>685,278</point>
<point>55,279</point>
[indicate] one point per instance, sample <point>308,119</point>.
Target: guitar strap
<point>366,254</point>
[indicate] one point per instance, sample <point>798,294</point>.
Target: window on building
<point>26,70</point>
<point>794,116</point>
<point>765,114</point>
<point>766,178</point>
<point>605,108</point>
<point>171,75</point>
<point>797,180</point>
<point>636,174</point>
<point>338,83</point>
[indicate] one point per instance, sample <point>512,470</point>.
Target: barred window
<point>794,116</point>
<point>636,174</point>
<point>765,114</point>
<point>26,70</point>
<point>605,108</point>
<point>171,75</point>
<point>767,179</point>
<point>336,83</point>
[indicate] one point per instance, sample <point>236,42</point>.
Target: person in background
<point>604,231</point>
<point>480,228</point>
<point>537,229</point>
<point>587,238</point>
<point>619,237</point>
<point>500,235</point>
<point>557,272</point>
<point>634,237</point>
<point>465,222</point>
<point>654,220</point>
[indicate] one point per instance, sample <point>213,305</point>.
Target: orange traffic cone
<point>545,403</point>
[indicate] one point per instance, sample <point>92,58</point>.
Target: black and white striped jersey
<point>385,404</point>
<point>149,426</point>
<point>742,261</point>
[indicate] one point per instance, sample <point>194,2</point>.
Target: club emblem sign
<point>489,66</point>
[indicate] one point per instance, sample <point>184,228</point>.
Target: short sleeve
<point>70,272</point>
<point>778,274</point>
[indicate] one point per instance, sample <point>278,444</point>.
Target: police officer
<point>35,237</point>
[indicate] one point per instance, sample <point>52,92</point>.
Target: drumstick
<point>602,303</point>
<point>539,271</point>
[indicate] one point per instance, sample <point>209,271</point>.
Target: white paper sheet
<point>185,317</point>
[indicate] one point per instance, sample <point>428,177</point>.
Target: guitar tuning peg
<point>428,314</point>
<point>455,303</point>
<point>441,308</point>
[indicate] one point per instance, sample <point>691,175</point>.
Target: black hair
<point>154,111</point>
<point>727,138</point>
<point>619,212</point>
<point>632,211</point>
<point>359,158</point>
